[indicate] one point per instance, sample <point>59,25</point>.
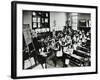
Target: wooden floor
<point>50,64</point>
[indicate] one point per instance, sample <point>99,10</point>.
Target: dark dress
<point>36,52</point>
<point>36,43</point>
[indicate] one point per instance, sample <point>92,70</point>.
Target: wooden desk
<point>77,59</point>
<point>83,49</point>
<point>74,59</point>
<point>81,53</point>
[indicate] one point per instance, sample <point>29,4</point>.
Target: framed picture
<point>53,39</point>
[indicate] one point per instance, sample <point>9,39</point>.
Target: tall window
<point>74,17</point>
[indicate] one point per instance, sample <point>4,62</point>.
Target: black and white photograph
<point>56,39</point>
<point>53,39</point>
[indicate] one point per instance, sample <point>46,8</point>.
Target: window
<point>74,17</point>
<point>40,20</point>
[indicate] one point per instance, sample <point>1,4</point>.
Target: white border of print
<point>32,72</point>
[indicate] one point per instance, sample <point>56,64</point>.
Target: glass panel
<point>46,20</point>
<point>46,14</point>
<point>42,20</point>
<point>74,26</point>
<point>34,19</point>
<point>39,25</point>
<point>34,25</point>
<point>74,19</point>
<point>38,19</point>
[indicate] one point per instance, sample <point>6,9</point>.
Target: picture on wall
<point>53,39</point>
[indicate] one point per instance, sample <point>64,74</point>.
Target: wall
<point>27,18</point>
<point>84,16</point>
<point>60,18</point>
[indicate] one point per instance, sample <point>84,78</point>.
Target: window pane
<point>42,20</point>
<point>39,25</point>
<point>34,19</point>
<point>38,19</point>
<point>46,20</point>
<point>46,14</point>
<point>34,25</point>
